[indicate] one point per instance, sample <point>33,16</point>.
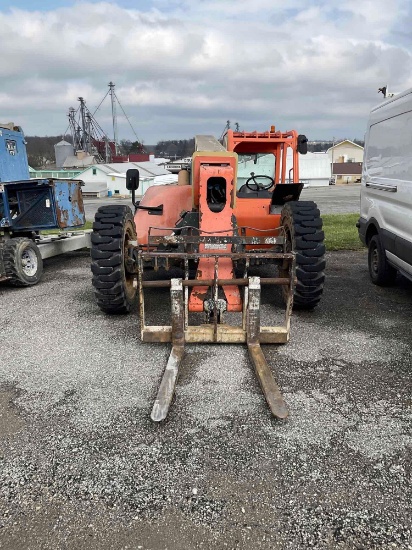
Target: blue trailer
<point>29,206</point>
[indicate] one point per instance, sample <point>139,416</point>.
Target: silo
<point>62,150</point>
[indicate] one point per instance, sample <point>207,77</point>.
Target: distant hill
<point>40,150</point>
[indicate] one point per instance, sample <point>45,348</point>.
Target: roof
<point>73,162</point>
<point>147,169</point>
<point>347,168</point>
<point>345,141</point>
<point>63,142</point>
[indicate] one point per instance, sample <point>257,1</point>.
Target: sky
<point>185,67</point>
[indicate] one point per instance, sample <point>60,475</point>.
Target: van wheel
<point>380,271</point>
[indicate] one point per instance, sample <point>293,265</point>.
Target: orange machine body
<point>249,212</point>
<point>210,170</point>
<point>253,214</point>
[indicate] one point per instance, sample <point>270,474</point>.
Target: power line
<point>127,118</point>
<point>98,107</point>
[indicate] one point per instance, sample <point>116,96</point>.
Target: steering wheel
<point>261,186</point>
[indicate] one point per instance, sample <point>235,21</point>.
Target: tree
<point>128,147</point>
<point>175,148</point>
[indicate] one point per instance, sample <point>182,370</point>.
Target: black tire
<point>380,271</point>
<point>113,285</point>
<point>303,226</point>
<point>22,261</point>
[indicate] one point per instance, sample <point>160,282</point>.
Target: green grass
<point>87,225</point>
<point>341,232</point>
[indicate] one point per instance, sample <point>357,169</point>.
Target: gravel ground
<point>83,467</point>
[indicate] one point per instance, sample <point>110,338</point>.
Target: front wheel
<point>380,271</point>
<point>303,229</point>
<point>113,230</point>
<point>23,264</point>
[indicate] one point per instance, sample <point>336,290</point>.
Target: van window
<point>389,151</point>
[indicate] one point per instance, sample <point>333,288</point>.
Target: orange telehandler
<point>237,205</point>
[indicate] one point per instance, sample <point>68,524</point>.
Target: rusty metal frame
<point>250,331</point>
<point>216,333</point>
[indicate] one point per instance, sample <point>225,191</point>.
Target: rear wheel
<point>303,227</point>
<point>23,264</point>
<point>113,283</point>
<point>380,271</point>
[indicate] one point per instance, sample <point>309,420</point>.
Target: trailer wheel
<point>303,226</point>
<point>380,271</point>
<point>113,284</point>
<point>23,264</point>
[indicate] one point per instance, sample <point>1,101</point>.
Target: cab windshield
<point>258,163</point>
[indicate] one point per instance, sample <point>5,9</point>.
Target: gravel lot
<point>83,467</point>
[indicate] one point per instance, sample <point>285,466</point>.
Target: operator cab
<point>255,173</point>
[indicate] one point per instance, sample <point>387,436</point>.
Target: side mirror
<point>132,179</point>
<point>302,144</point>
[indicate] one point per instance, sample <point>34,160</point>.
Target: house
<point>345,151</point>
<point>346,160</point>
<point>347,172</point>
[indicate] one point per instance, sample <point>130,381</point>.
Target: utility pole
<point>114,115</point>
<point>84,140</point>
<point>331,166</point>
<point>74,129</point>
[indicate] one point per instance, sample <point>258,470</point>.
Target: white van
<point>385,223</point>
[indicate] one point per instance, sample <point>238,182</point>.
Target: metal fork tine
<point>267,382</point>
<point>269,386</point>
<point>167,386</point>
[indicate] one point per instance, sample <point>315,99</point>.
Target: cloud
<point>185,67</point>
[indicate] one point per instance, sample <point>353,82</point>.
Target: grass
<point>341,232</point>
<point>87,225</point>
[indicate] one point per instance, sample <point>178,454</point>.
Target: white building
<point>103,179</point>
<point>117,183</point>
<point>314,169</point>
